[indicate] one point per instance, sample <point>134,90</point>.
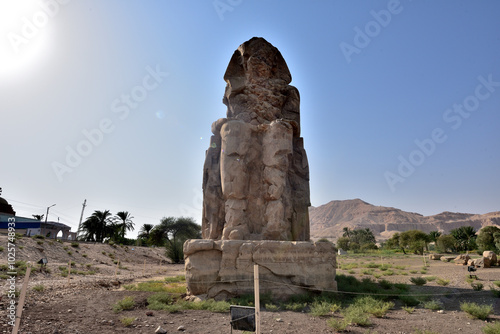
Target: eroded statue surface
<point>256,174</point>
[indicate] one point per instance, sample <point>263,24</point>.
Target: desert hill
<point>328,220</point>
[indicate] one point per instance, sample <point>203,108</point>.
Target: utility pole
<point>81,217</point>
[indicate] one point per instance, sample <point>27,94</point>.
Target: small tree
<point>343,243</point>
<point>445,243</point>
<point>486,239</point>
<point>414,240</point>
<point>172,233</point>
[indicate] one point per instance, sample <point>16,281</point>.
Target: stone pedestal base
<point>222,269</point>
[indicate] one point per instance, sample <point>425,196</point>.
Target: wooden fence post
<point>257,297</point>
<point>69,270</point>
<point>20,306</point>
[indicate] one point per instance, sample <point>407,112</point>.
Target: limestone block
<point>462,259</point>
<point>489,258</point>
<point>226,269</point>
<point>435,256</point>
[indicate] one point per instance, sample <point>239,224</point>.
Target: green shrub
<point>176,279</point>
<point>408,309</point>
<point>433,305</point>
<point>160,301</point>
<point>373,306</point>
<point>208,305</point>
<point>477,286</point>
<point>497,283</point>
<point>409,300</point>
<point>355,315</point>
<point>271,308</point>
<point>384,284</point>
<point>442,281</point>
<point>430,278</point>
<point>495,292</point>
<point>1,249</point>
<point>413,271</point>
<point>373,265</point>
<point>127,321</point>
<point>491,328</point>
<point>388,273</point>
<point>75,244</point>
<point>338,325</point>
<point>39,242</point>
<point>418,281</point>
<point>70,253</point>
<point>295,307</point>
<point>319,309</point>
<point>38,288</point>
<point>477,311</point>
<point>127,303</point>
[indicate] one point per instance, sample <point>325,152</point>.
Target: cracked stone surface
<point>256,173</point>
<point>224,268</point>
<point>256,189</point>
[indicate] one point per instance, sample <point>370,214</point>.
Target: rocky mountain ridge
<point>328,220</point>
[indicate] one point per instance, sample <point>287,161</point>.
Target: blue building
<point>30,226</point>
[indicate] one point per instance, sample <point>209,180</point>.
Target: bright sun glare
<point>23,35</point>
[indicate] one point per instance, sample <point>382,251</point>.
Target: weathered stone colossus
<point>256,174</point>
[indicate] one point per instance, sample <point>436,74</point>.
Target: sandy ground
<point>84,305</point>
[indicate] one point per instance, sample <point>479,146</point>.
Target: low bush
<point>176,279</point>
<point>409,300</point>
<point>319,309</point>
<point>127,321</point>
<point>442,281</point>
<point>338,325</point>
<point>433,305</point>
<point>477,311</point>
<point>418,280</point>
<point>355,315</point>
<point>477,286</point>
<point>408,309</point>
<point>39,288</point>
<point>491,328</point>
<point>127,303</point>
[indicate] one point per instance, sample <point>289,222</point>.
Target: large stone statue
<point>256,190</point>
<point>256,174</point>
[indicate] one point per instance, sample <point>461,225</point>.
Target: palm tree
<point>434,235</point>
<point>125,222</point>
<point>97,226</point>
<point>172,233</point>
<point>38,217</point>
<point>347,232</point>
<point>145,230</point>
<point>465,237</point>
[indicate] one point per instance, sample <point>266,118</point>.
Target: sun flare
<point>23,30</point>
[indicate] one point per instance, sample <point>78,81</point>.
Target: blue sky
<point>143,80</point>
